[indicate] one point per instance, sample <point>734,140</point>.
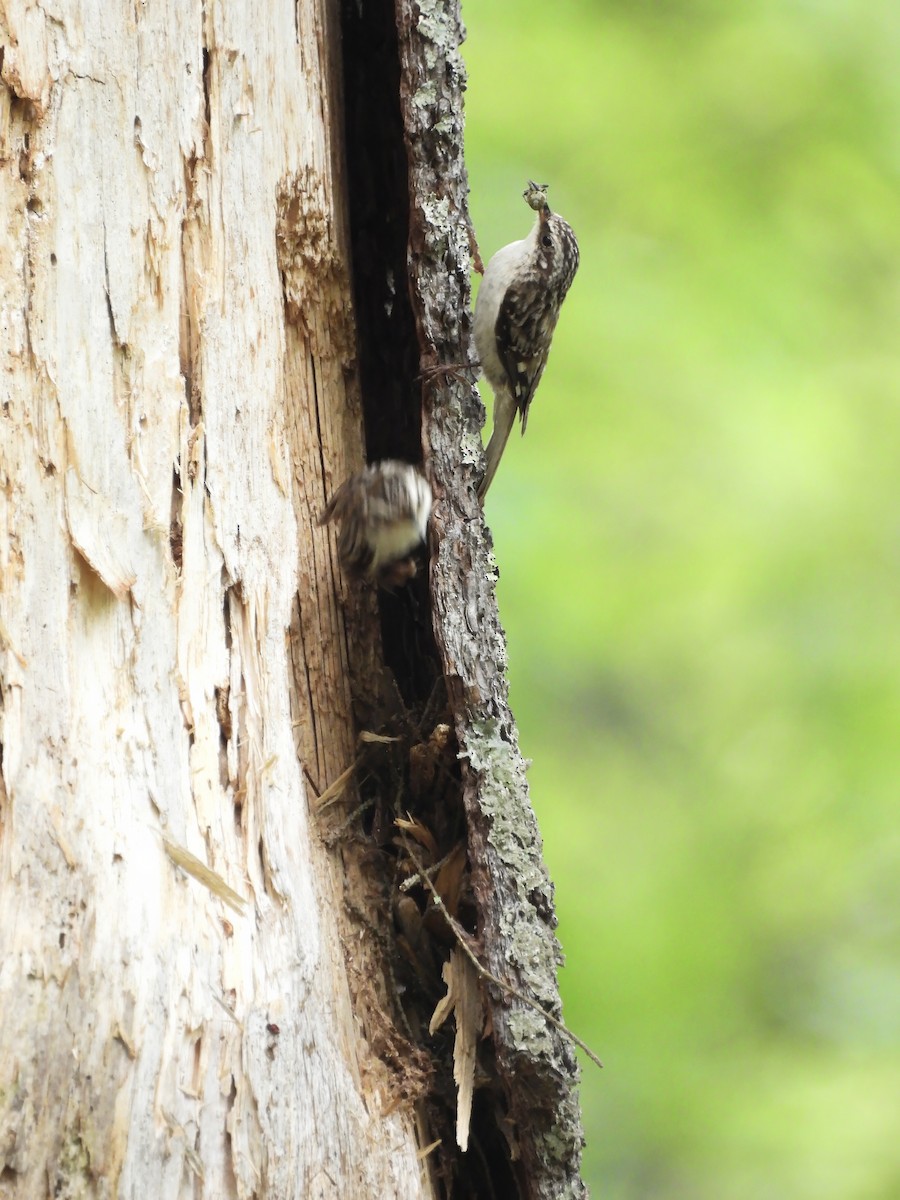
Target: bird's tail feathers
<point>495,448</point>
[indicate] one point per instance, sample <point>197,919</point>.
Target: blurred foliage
<point>698,545</point>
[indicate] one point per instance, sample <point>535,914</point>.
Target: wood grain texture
<point>176,339</point>
<point>516,919</point>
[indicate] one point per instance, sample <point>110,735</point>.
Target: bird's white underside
<point>394,540</point>
<point>497,278</point>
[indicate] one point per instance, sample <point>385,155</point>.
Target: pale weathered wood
<point>176,330</point>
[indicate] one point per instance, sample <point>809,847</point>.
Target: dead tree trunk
<point>178,382</point>
<point>213,982</point>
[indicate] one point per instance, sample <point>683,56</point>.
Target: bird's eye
<point>547,240</point>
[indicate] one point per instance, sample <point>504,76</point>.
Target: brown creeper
<point>516,312</point>
<point>384,513</point>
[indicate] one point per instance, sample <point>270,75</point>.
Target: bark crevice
<point>411,241</point>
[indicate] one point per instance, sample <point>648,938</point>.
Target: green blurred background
<point>699,541</point>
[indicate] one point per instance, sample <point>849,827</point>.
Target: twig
<point>408,884</point>
<point>463,938</point>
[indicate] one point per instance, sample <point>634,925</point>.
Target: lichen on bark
<point>535,1062</point>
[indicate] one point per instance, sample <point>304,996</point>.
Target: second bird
<point>516,313</point>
